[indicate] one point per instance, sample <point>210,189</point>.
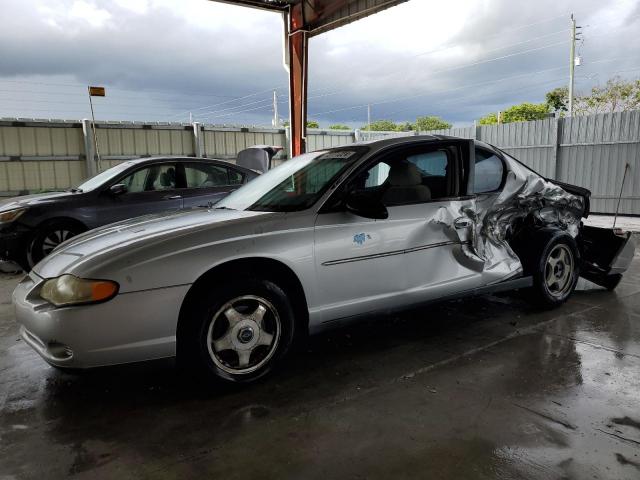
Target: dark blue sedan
<point>31,226</point>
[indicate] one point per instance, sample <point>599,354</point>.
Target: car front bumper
<point>132,327</point>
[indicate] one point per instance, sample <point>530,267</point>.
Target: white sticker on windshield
<point>340,154</point>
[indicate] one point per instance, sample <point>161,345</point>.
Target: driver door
<point>150,189</point>
<point>415,254</point>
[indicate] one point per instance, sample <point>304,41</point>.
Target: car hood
<point>33,200</point>
<point>135,233</point>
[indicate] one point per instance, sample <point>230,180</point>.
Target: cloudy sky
<point>164,59</point>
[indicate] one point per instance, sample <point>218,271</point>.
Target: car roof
<point>406,140</point>
<point>144,160</point>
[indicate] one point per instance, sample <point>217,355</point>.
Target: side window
<point>203,175</point>
<point>432,164</point>
<point>489,172</point>
<point>405,179</point>
<point>150,179</point>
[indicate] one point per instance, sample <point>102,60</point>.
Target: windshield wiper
<point>75,190</point>
<point>223,208</point>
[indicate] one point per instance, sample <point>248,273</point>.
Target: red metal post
<point>298,65</point>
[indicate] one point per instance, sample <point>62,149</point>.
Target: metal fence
<point>590,151</point>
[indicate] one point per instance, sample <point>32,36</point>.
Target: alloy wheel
<point>559,271</point>
<point>55,238</point>
<point>244,334</point>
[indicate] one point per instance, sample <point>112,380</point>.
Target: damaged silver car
<point>324,238</point>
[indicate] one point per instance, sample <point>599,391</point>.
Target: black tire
<point>204,323</point>
<point>554,280</point>
<point>48,236</point>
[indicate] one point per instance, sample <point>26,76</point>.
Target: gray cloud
<point>158,63</point>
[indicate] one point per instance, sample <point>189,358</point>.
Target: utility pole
<point>276,120</point>
<point>369,117</point>
<point>572,62</point>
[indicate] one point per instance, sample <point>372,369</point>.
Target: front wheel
<point>556,271</point>
<point>238,332</point>
<point>48,237</point>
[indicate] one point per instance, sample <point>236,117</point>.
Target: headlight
<point>9,216</point>
<point>70,290</point>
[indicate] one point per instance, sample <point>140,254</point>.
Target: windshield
<point>103,177</point>
<point>295,185</point>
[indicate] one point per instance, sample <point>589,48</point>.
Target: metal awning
<point>322,15</point>
<point>304,19</point>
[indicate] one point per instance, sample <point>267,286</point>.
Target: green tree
<point>381,126</point>
<point>616,95</point>
<point>558,99</point>
<point>310,124</point>
<point>405,127</point>
<point>524,112</point>
<point>424,124</point>
<point>338,126</point>
<point>490,119</point>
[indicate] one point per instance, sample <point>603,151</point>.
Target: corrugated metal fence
<point>590,151</point>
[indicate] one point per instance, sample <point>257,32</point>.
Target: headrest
<point>165,179</point>
<point>404,174</point>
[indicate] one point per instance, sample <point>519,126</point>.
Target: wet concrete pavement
<point>482,388</point>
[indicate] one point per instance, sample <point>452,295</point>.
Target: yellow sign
<point>97,91</point>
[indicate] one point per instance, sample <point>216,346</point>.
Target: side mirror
<point>118,189</point>
<point>366,206</point>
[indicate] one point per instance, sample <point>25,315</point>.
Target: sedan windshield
<point>296,184</point>
<point>103,177</point>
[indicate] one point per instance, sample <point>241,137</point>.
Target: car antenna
<point>624,177</point>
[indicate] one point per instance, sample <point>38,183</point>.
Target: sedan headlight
<point>9,216</point>
<point>71,290</point>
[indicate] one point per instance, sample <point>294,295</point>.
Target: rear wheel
<point>48,237</point>
<point>556,269</point>
<point>238,332</point>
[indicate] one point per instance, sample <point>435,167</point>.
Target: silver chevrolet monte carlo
<point>326,237</point>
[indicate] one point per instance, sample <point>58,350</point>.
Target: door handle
<point>462,222</point>
<point>172,197</point>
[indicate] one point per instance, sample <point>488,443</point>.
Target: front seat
<point>168,178</point>
<point>405,185</point>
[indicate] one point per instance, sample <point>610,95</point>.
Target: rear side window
<point>205,175</point>
<point>489,172</point>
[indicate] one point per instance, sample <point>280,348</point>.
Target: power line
<point>83,86</point>
<point>233,100</point>
<point>474,85</point>
<point>450,46</point>
<point>238,106</point>
<point>440,71</point>
<point>396,72</point>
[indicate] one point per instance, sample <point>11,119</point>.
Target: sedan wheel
<point>553,260</point>
<point>244,334</point>
<point>55,238</point>
<point>559,271</point>
<point>48,237</point>
<point>236,331</point>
